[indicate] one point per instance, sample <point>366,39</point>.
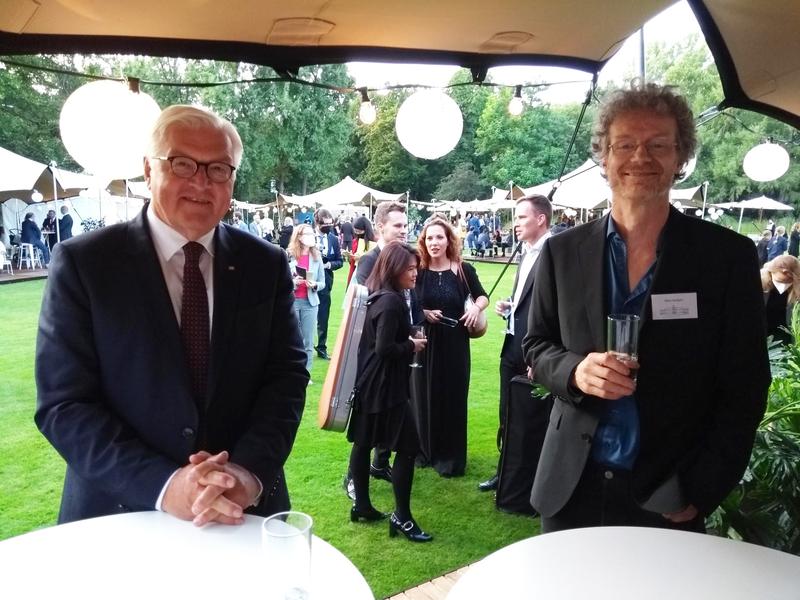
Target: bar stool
<point>26,255</point>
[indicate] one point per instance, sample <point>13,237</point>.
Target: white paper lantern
<point>766,162</point>
<point>429,124</point>
<point>37,196</point>
<point>105,127</point>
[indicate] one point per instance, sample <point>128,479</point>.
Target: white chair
<point>5,260</point>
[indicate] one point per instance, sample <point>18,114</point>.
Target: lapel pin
<point>231,268</point>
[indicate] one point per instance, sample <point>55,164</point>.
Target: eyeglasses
<point>185,167</point>
<point>657,148</point>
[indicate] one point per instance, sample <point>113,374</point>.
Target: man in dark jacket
<point>31,234</point>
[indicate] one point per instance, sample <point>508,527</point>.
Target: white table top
<point>151,555</point>
<point>630,563</point>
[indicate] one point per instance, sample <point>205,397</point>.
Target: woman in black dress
<point>441,386</point>
<point>381,415</point>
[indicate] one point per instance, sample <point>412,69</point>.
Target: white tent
<point>347,191</point>
<point>760,203</point>
<point>585,188</point>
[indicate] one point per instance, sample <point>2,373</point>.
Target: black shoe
<point>410,529</point>
<point>349,487</point>
<point>323,355</point>
<point>384,473</point>
<point>368,514</point>
<point>488,485</point>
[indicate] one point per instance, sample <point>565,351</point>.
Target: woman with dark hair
<point>363,236</point>
<point>381,414</point>
<point>440,387</point>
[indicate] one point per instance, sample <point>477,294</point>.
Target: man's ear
<point>147,172</point>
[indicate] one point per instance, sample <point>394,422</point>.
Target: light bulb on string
<point>515,106</point>
<point>366,112</point>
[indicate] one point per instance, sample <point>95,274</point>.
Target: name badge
<point>674,306</point>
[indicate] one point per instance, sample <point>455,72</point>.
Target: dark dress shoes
<point>488,485</point>
<point>409,528</point>
<point>384,473</point>
<point>366,514</point>
<point>323,354</point>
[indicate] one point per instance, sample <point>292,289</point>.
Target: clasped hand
<point>210,488</point>
<point>601,374</point>
<point>470,316</point>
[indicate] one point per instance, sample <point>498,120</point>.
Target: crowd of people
<point>200,420</point>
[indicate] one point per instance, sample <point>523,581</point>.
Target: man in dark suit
<point>328,246</point>
<point>65,224</point>
<point>532,217</point>
<point>664,448</point>
<point>31,234</point>
<point>169,365</point>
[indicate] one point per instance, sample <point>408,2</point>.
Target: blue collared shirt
<point>616,440</point>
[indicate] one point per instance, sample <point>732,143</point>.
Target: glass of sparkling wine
<point>286,544</point>
<point>622,340</point>
<point>417,332</point>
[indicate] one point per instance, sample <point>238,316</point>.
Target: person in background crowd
<point>305,263</point>
<point>659,440</point>
<point>778,244</point>
<point>65,224</point>
<point>238,222</point>
<point>483,242</point>
<point>346,230</point>
<point>532,216</point>
<point>31,234</point>
<point>441,385</point>
<point>328,246</point>
<point>286,232</point>
<point>49,229</point>
<point>794,241</point>
<point>761,247</point>
<point>381,413</point>
<point>169,367</point>
<point>780,282</point>
<point>363,239</point>
<point>255,225</point>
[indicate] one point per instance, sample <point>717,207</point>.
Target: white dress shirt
<point>530,254</point>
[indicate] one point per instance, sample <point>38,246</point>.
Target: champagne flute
<point>418,333</point>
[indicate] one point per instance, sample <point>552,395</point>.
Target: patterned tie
<point>194,321</point>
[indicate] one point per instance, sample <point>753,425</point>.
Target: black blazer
<point>512,344</point>
<point>703,382</point>
<point>363,270</point>
<point>113,390</point>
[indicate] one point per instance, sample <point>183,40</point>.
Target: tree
<point>462,184</point>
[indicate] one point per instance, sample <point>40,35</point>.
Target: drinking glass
<point>623,340</point>
<point>286,542</point>
<point>507,312</point>
<point>417,332</point>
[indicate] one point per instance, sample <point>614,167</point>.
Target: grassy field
<point>464,522</point>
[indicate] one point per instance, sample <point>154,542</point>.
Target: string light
<point>515,106</point>
<point>366,113</point>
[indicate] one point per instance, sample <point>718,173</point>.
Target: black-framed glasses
<point>185,167</point>
<point>657,147</point>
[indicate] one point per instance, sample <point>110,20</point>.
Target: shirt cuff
<point>160,498</point>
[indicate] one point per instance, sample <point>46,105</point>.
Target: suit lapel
<point>227,281</point>
<point>155,296</point>
<point>590,254</point>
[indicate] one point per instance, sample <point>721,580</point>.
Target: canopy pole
<point>704,193</point>
<point>55,200</point>
<point>741,214</point>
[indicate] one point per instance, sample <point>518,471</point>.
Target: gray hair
<point>662,100</point>
<point>182,115</point>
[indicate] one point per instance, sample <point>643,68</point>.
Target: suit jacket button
<point>187,432</point>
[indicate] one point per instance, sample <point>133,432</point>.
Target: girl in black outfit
<point>381,414</point>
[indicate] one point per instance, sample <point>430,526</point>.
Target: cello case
<point>335,401</point>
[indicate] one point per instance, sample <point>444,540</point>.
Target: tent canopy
<point>755,44</point>
<point>347,191</point>
<point>584,188</point>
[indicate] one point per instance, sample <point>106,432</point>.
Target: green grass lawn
<point>464,522</point>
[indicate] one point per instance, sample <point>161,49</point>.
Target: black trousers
<point>603,497</point>
<point>508,370</point>
<point>324,312</point>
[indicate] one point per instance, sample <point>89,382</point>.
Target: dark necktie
<point>194,321</point>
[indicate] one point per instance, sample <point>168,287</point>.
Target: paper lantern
<point>105,128</point>
<point>766,162</point>
<point>429,124</point>
<point>37,196</point>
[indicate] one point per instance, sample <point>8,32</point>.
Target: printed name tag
<point>674,306</point>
